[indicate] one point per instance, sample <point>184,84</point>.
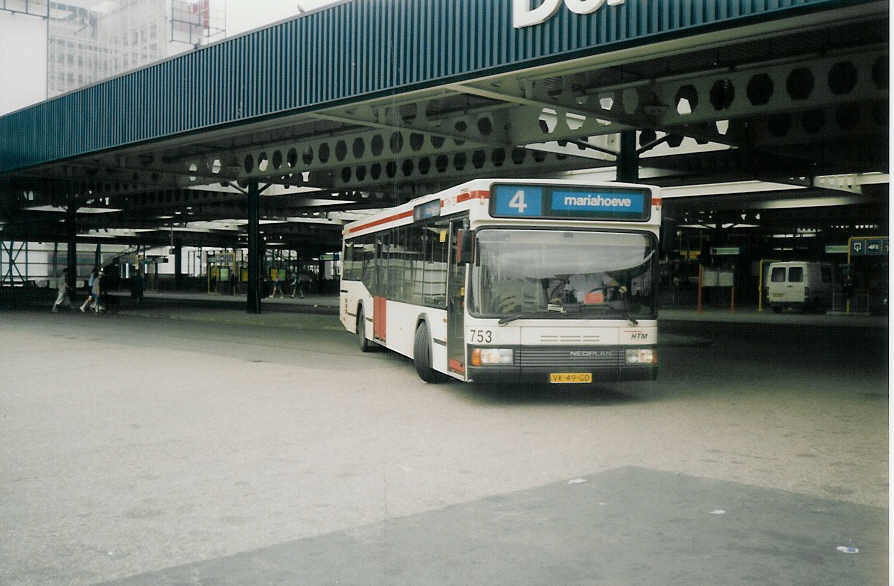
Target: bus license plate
<point>570,377</point>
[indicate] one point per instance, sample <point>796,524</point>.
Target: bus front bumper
<point>514,375</point>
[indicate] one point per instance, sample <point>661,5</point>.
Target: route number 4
<point>518,201</point>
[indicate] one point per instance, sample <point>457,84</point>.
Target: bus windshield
<point>563,273</point>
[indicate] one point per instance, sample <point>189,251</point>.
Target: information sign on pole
<point>725,251</point>
<point>874,246</point>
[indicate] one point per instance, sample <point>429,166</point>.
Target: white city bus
<point>508,280</point>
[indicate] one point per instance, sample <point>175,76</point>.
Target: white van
<point>800,285</point>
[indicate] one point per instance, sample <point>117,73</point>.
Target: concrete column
<point>254,273</point>
<point>71,234</point>
<point>628,159</point>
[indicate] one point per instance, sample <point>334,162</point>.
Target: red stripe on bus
<point>479,194</point>
<point>394,218</point>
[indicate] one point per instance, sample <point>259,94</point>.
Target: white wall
<point>23,61</point>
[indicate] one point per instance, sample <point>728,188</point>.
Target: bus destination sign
<point>424,211</point>
<point>545,201</point>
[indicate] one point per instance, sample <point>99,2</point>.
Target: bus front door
<point>456,304</point>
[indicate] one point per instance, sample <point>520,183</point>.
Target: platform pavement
<point>679,327</point>
<point>329,304</point>
<point>275,312</point>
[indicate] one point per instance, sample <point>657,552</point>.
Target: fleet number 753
<point>481,336</point>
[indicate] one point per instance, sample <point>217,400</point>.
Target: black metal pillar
<point>178,265</point>
<point>71,237</point>
<point>628,159</point>
<point>254,273</point>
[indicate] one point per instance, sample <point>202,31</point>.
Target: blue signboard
<point>518,201</point>
<point>560,201</point>
<point>427,210</point>
<point>877,246</point>
<point>604,202</point>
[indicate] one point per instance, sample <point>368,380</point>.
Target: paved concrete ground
<point>196,450</point>
<point>623,526</point>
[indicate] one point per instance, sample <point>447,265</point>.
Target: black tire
<point>422,355</point>
<point>365,344</point>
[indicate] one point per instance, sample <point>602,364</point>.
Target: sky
<point>243,15</point>
<point>23,51</point>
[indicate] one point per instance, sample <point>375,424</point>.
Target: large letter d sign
<point>523,15</point>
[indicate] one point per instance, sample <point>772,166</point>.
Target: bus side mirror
<point>465,246</point>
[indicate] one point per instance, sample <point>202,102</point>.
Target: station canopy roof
<point>366,104</point>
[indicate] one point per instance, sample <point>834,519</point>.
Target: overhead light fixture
<point>60,209</point>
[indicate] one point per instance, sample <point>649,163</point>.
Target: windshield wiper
<point>505,320</point>
<point>532,314</point>
<point>627,313</point>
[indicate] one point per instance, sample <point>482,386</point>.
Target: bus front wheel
<point>422,355</point>
<point>365,345</point>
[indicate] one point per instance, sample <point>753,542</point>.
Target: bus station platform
<point>231,309</point>
<point>177,303</point>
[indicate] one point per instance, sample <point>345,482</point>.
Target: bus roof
<point>462,197</point>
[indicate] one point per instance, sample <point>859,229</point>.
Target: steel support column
<point>71,238</point>
<point>628,160</point>
<point>254,273</point>
<point>178,265</point>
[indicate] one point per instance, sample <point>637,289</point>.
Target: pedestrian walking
<point>300,280</point>
<point>91,300</point>
<point>136,286</point>
<point>276,279</point>
<point>96,292</point>
<point>62,298</point>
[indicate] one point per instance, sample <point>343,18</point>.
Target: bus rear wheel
<point>422,355</point>
<point>365,344</point>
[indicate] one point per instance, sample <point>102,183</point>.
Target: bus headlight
<point>642,356</point>
<point>489,356</point>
